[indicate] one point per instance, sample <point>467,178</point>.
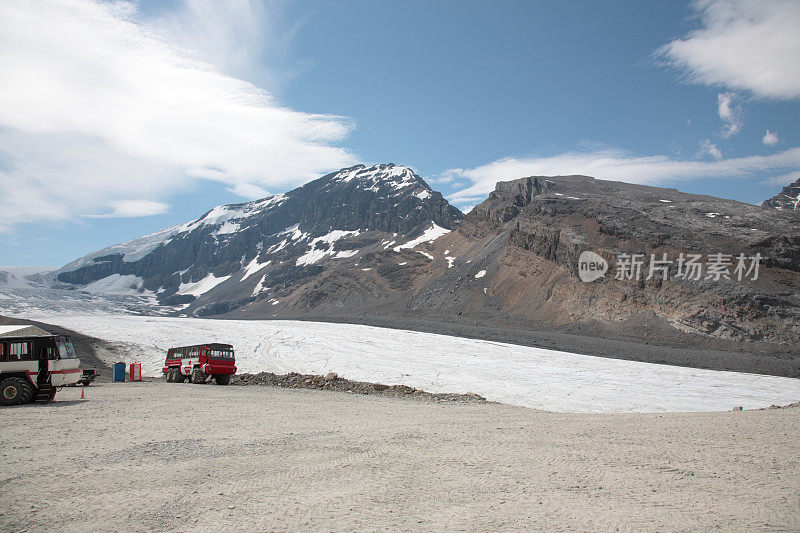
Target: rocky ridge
<point>333,382</point>
<point>787,200</point>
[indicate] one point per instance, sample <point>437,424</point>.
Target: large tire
<point>170,375</point>
<point>177,377</point>
<point>222,379</point>
<point>198,376</point>
<point>15,391</point>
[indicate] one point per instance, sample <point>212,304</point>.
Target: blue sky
<point>118,119</point>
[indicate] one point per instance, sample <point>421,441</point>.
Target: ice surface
<point>519,375</point>
<point>23,277</point>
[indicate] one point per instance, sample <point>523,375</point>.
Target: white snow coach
<point>34,363</point>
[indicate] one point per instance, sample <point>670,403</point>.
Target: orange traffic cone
<point>82,390</point>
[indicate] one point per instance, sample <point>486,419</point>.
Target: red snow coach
<point>200,362</point>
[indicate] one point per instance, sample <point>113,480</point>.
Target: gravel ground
<point>160,456</point>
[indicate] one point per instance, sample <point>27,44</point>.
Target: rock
<point>379,386</point>
<point>739,408</point>
<point>331,376</point>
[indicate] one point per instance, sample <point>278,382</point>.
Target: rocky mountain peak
<point>386,179</point>
<point>787,200</point>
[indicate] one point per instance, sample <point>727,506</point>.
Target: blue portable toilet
<point>119,371</point>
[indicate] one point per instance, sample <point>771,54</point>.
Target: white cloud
<point>134,208</point>
<point>730,114</point>
<point>97,107</point>
<point>618,165</point>
<point>748,45</point>
<point>248,190</point>
<point>784,179</point>
<point>710,149</point>
<point>242,38</point>
<point>770,138</point>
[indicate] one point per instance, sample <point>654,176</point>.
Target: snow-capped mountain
<point>787,200</point>
<point>223,258</point>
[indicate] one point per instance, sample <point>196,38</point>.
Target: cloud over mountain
<point>100,107</point>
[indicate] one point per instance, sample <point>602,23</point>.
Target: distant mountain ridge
<point>787,200</point>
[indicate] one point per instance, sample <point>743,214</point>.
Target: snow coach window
<point>66,350</point>
<point>18,351</point>
<point>221,354</point>
<point>2,352</point>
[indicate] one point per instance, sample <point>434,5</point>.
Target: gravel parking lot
<point>159,456</point>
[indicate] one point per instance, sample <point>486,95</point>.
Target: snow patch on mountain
<point>227,228</point>
<point>201,287</point>
<point>423,194</point>
<point>253,267</point>
<point>260,285</point>
<point>115,284</point>
<point>345,253</point>
<point>294,233</point>
<point>314,254</point>
<point>429,235</point>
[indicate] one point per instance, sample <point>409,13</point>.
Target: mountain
<point>787,200</point>
<point>377,245</point>
<point>237,254</point>
<point>517,253</point>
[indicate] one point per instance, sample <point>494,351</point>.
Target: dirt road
<point>158,456</point>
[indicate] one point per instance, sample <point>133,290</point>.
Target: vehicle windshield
<point>221,354</point>
<point>65,348</point>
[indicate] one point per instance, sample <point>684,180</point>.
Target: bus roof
<point>23,330</point>
<point>216,345</point>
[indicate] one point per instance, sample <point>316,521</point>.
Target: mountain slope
<point>517,253</point>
